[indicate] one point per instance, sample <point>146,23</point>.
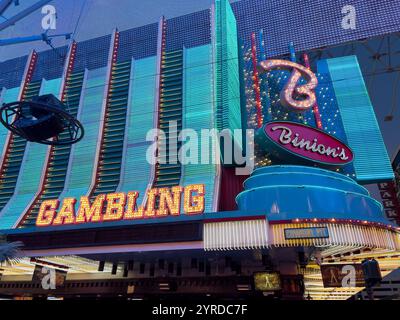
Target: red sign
<point>308,143</point>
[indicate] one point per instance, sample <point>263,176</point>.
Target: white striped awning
<point>258,233</point>
<point>236,235</point>
<point>340,234</point>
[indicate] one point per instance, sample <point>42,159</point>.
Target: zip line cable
<point>74,33</point>
<point>390,116</point>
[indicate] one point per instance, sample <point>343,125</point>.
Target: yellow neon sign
<point>123,206</point>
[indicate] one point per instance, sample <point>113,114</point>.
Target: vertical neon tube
<point>256,83</point>
<point>263,54</point>
<point>292,52</point>
<point>266,104</point>
<point>317,115</point>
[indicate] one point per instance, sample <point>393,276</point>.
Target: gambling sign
<point>122,206</point>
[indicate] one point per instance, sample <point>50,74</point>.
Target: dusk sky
<point>99,17</point>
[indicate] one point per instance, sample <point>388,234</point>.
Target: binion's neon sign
<point>298,97</point>
<point>123,206</point>
<point>295,142</point>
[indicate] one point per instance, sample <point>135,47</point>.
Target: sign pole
<point>317,115</point>
<point>256,83</point>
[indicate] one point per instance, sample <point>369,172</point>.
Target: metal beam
<point>4,5</point>
<point>23,14</point>
<point>5,42</point>
<point>44,37</point>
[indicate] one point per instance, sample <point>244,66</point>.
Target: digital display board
<point>306,233</point>
<point>267,281</point>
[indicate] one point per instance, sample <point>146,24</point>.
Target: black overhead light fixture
<point>44,120</point>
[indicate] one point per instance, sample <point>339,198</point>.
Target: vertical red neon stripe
<point>30,68</point>
<point>69,70</point>
<point>162,56</point>
<point>317,115</point>
<point>256,80</point>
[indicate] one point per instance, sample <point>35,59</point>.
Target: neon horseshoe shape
<point>292,90</point>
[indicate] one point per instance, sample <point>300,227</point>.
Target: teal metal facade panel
<point>8,95</point>
<point>371,161</point>
<point>136,170</point>
<point>198,114</point>
<point>227,85</point>
<point>31,171</point>
<point>83,154</point>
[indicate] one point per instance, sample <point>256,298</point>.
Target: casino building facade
<point>111,222</point>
